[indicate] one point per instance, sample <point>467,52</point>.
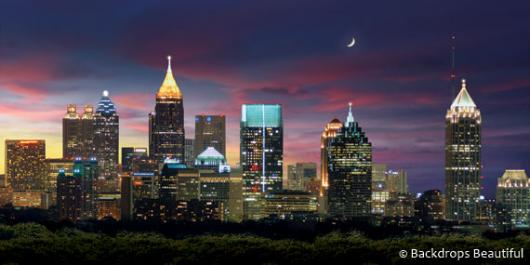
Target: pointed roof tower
<point>463,99</point>
<point>349,119</point>
<point>169,88</point>
<point>106,106</point>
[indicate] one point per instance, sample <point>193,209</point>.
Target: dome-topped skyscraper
<point>462,157</point>
<point>166,124</point>
<point>106,143</point>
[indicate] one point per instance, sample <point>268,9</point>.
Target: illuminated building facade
<point>400,205</point>
<point>69,196</point>
<point>26,170</point>
<point>53,166</point>
<point>106,143</point>
<point>189,152</point>
<point>261,154</point>
<point>108,206</point>
<point>462,158</point>
<point>379,189</point>
<point>78,132</point>
<point>291,205</point>
<point>300,175</point>
<point>429,207</point>
<point>513,194</point>
<point>87,171</point>
<point>166,124</point>
<point>330,131</point>
<point>210,132</point>
<point>349,172</point>
<point>129,155</point>
<point>235,197</point>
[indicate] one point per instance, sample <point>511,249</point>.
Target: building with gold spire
<point>462,157</point>
<point>166,124</point>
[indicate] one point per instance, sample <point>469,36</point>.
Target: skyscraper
<point>189,152</point>
<point>261,154</point>
<point>330,131</point>
<point>86,171</point>
<point>25,165</point>
<point>76,193</point>
<point>513,194</point>
<point>106,142</point>
<point>71,133</point>
<point>462,157</point>
<point>349,172</point>
<point>210,131</point>
<point>166,124</point>
<point>78,133</point>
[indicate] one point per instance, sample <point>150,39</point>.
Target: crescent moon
<point>352,43</point>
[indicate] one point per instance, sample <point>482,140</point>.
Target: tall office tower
<point>380,192</point>
<point>177,183</point>
<point>261,154</point>
<point>235,197</point>
<point>71,133</point>
<point>330,131</point>
<point>166,124</point>
<point>106,143</point>
<point>129,155</point>
<point>189,152</point>
<point>462,157</point>
<point>214,177</point>
<point>429,207</point>
<point>69,196</point>
<point>87,173</point>
<point>513,194</point>
<point>349,172</point>
<point>396,181</point>
<point>87,132</point>
<point>25,165</point>
<point>301,175</point>
<point>210,131</point>
<point>78,133</point>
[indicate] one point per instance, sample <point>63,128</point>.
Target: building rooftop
<point>463,99</point>
<point>169,88</point>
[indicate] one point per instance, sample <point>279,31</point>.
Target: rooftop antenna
<point>453,71</point>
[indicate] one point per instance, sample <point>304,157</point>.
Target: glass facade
<point>261,154</point>
<point>462,158</point>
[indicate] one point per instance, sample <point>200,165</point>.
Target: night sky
<point>226,53</point>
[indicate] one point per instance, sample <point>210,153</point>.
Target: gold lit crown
<point>169,88</point>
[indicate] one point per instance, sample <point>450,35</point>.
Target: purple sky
<point>226,53</point>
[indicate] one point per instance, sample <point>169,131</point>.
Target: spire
<point>463,99</point>
<point>169,88</point>
<point>350,118</point>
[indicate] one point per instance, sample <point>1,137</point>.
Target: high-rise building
<point>300,175</point>
<point>396,181</point>
<point>25,170</point>
<point>210,132</point>
<point>349,172</point>
<point>126,200</point>
<point>53,166</point>
<point>429,207</point>
<point>261,154</point>
<point>129,155</point>
<point>513,194</point>
<point>106,143</point>
<point>69,196</point>
<point>379,189</point>
<point>166,124</point>
<point>462,158</point>
<point>71,133</point>
<point>235,198</point>
<point>87,173</point>
<point>189,152</point>
<point>330,131</point>
<point>78,133</point>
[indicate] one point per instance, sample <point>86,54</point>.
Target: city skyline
<point>399,92</point>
